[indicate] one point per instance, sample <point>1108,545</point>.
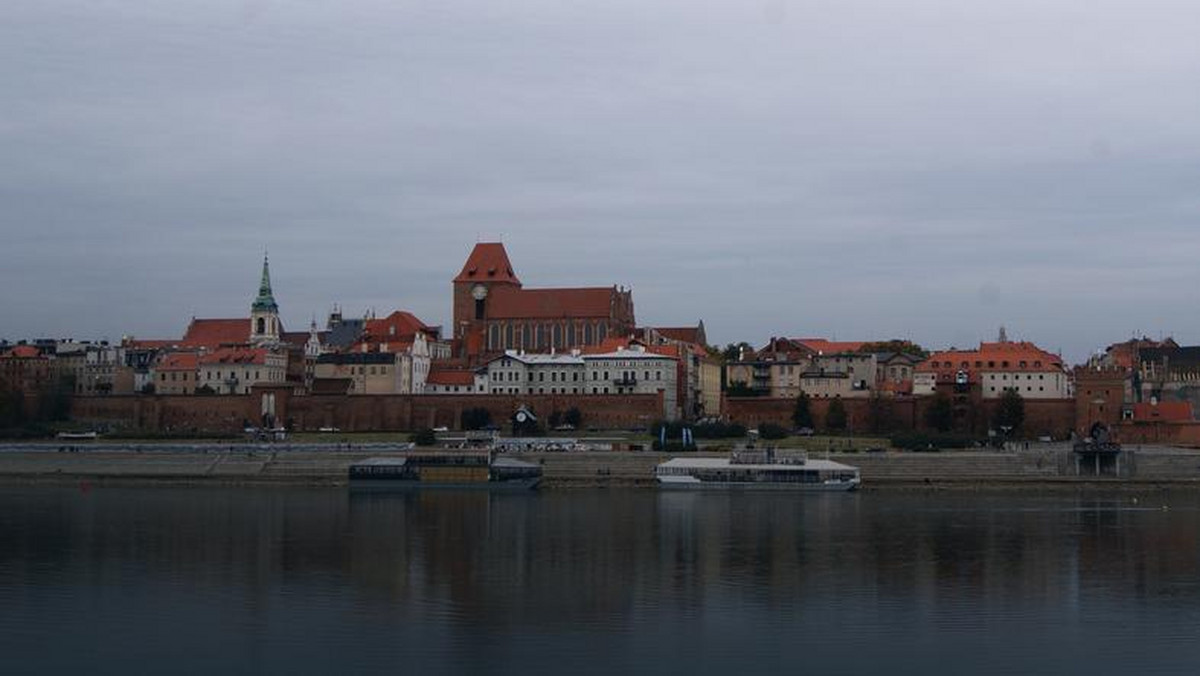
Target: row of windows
<point>1016,376</point>
<point>563,390</point>
<point>208,375</point>
<point>544,336</point>
<point>369,370</point>
<point>979,364</point>
<point>557,376</point>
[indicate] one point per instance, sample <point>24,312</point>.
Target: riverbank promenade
<point>326,464</point>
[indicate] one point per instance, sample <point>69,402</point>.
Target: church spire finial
<point>265,302</point>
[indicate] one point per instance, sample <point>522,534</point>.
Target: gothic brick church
<point>494,312</point>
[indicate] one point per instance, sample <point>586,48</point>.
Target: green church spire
<point>266,300</point>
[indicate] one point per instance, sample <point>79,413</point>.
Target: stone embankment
<point>327,465</point>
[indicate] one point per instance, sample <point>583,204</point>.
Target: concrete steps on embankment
<point>568,468</point>
<point>919,467</point>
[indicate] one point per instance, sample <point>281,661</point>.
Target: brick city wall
<point>354,413</point>
<point>1170,433</point>
<point>1053,417</point>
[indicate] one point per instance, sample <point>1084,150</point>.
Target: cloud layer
<point>866,169</point>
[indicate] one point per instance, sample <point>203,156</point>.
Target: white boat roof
<point>379,462</point>
<point>718,463</point>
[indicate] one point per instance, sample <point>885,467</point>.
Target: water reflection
<point>633,578</point>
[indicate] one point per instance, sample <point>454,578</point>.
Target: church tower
<point>264,312</point>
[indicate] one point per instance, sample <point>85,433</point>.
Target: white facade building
<point>634,371</point>
<point>520,373</point>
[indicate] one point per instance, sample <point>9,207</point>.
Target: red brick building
<point>494,312</point>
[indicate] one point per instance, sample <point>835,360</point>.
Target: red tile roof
<point>822,346</point>
<point>1004,357</point>
<point>488,262</point>
<point>396,326</point>
<point>178,361</point>
<point>1172,411</point>
<point>1125,354</point>
<point>213,333</point>
<point>23,352</point>
<point>297,338</point>
<point>439,376</point>
<point>234,355</point>
<point>506,302</point>
<point>609,344</point>
<point>686,334</point>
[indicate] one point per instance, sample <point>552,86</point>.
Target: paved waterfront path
<point>328,464</point>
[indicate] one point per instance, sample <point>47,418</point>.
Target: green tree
<point>940,414</point>
<point>423,437</point>
<point>573,417</point>
<point>732,350</point>
<point>740,389</point>
<point>802,413</point>
<point>771,431</point>
<point>1010,414</point>
<point>12,409</point>
<point>879,416</point>
<point>476,418</point>
<point>835,417</point>
<point>895,345</point>
<point>55,403</point>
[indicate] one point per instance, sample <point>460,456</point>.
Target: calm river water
<point>290,580</point>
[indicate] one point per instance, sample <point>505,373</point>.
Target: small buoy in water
<point>1135,501</point>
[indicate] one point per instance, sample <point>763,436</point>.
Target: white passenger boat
<point>755,468</point>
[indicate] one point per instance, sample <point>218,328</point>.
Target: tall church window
<point>587,334</point>
<point>479,309</point>
<point>508,336</point>
<point>262,326</point>
<point>557,335</point>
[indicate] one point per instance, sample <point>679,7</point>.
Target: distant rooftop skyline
<point>859,170</point>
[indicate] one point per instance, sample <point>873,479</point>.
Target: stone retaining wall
<point>267,465</point>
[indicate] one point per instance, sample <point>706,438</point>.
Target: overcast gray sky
<point>856,169</point>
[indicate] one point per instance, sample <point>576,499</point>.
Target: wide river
<point>101,579</point>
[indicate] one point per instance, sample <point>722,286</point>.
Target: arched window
<point>493,337</point>
<point>557,335</point>
<point>602,332</point>
<point>587,334</point>
<point>262,326</point>
<point>508,336</point>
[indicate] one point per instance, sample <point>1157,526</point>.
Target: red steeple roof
<point>488,262</point>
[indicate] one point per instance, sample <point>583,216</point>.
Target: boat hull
<point>694,484</point>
